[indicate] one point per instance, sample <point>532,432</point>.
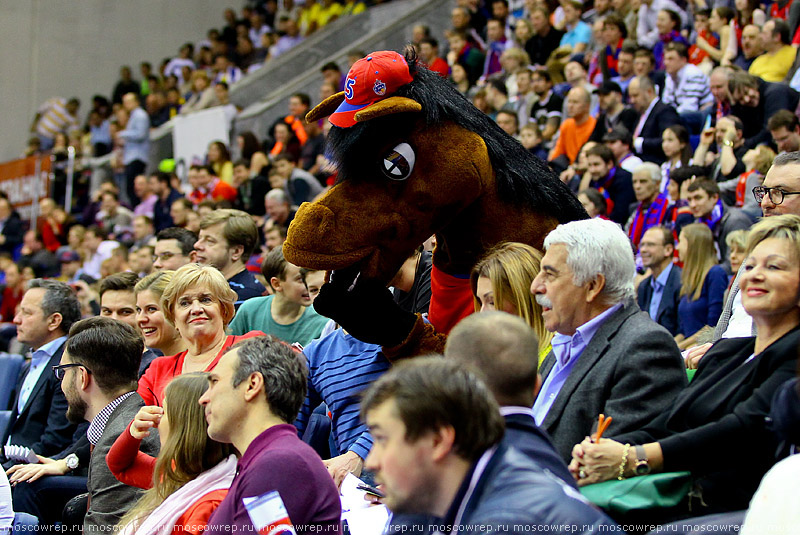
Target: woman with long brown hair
<point>192,473</point>
<point>502,279</point>
<point>703,283</point>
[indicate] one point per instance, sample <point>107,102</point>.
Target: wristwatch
<point>72,461</point>
<point>641,468</point>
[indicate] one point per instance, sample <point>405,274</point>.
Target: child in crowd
<point>313,280</point>
<point>531,138</point>
<point>287,313</point>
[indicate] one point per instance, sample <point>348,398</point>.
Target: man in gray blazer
<point>608,356</point>
<point>98,373</point>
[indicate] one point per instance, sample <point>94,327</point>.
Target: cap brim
<point>345,114</point>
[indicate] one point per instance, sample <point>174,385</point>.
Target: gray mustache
<point>543,301</point>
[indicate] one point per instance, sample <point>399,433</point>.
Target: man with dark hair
<point>686,87</point>
<point>659,293</point>
<point>254,393</point>
<point>332,74</point>
<point>625,67</point>
<point>226,241</point>
<point>754,101</point>
<point>498,346</point>
<point>439,453</point>
<point>44,316</point>
<point>301,186</point>
<point>54,116</point>
<point>429,54</point>
<point>98,374</point>
<point>161,185</point>
<point>614,182</point>
<point>35,255</point>
<point>98,249</point>
<point>546,111</point>
<point>174,248</point>
<point>773,64</point>
<point>118,302</point>
<point>180,209</point>
<point>619,141</point>
<point>655,118</point>
<point>209,186</point>
<point>785,131</point>
<point>11,233</point>
<point>463,52</point>
<point>614,112</point>
<point>708,208</point>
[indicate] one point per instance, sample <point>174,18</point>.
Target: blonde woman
<point>158,332</point>
<point>199,303</point>
<point>192,473</point>
<point>703,283</point>
<point>502,279</point>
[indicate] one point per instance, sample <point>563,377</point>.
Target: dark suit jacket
<point>42,424</point>
<point>721,416</point>
<point>661,116</point>
<point>13,231</point>
<point>110,499</point>
<point>667,315</point>
<point>523,434</point>
<point>631,370</point>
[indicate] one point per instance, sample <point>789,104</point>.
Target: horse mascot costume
<point>414,159</point>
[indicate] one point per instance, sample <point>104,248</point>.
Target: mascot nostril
<point>415,158</point>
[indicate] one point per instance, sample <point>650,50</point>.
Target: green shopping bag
<point>654,491</point>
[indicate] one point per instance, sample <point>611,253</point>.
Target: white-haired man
<point>608,356</point>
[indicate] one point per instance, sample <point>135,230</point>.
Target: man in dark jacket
<point>659,293</point>
<point>498,345</point>
<point>438,452</point>
<point>10,227</point>
<point>38,420</point>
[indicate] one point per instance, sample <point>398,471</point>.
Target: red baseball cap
<point>370,79</point>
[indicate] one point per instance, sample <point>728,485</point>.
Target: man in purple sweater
<point>257,387</point>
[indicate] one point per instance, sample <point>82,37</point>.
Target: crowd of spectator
<point>191,371</point>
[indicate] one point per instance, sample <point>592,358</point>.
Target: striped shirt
<point>340,368</point>
<point>54,118</point>
<point>689,90</point>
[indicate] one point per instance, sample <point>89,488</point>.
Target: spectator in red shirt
<point>208,186</point>
<point>429,52</point>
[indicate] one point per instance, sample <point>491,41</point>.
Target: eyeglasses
<point>60,370</point>
<point>163,256</point>
<point>776,195</point>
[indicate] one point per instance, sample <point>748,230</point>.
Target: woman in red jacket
<point>199,303</point>
<point>192,473</point>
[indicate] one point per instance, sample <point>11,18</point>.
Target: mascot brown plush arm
<point>414,158</point>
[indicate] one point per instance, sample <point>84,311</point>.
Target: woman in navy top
<point>703,283</point>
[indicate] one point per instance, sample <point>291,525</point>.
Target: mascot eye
<point>399,162</point>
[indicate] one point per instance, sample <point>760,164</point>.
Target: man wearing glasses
<point>98,374</point>
<point>47,311</point>
<point>174,248</point>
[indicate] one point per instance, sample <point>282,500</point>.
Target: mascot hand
<point>367,311</point>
